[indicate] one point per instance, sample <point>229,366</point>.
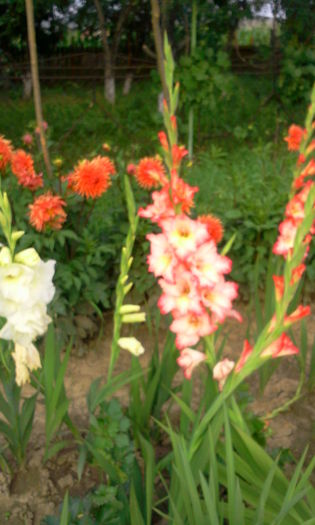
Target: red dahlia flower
<point>91,178</point>
<point>5,152</point>
<point>47,210</point>
<point>214,227</point>
<point>150,173</point>
<point>22,166</point>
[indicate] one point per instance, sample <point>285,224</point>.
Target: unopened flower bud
<point>221,371</point>
<point>128,288</point>
<point>6,204</point>
<point>131,344</point>
<point>58,162</point>
<point>17,235</point>
<point>129,309</point>
<point>130,262</point>
<point>134,318</point>
<point>124,279</point>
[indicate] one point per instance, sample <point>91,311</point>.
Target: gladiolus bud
<point>132,345</point>
<point>17,235</point>
<point>134,318</point>
<point>128,288</point>
<point>221,371</point>
<point>163,140</point>
<point>129,309</point>
<point>279,286</point>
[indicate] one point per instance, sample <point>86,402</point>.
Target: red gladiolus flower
<point>214,227</point>
<point>91,178</point>
<point>150,173</point>
<point>178,153</point>
<point>301,159</point>
<point>300,312</point>
<point>5,152</point>
<point>294,138</point>
<point>297,274</point>
<point>222,370</point>
<point>22,166</point>
<point>47,210</point>
<point>279,286</point>
<point>247,350</point>
<point>280,347</point>
<point>189,359</point>
<point>182,193</point>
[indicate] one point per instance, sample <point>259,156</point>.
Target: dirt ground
<point>38,490</point>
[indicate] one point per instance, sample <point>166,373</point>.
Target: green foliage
<point>204,78</point>
<point>102,505</point>
<point>234,479</point>
<point>108,445</point>
<point>51,381</point>
<point>247,190</point>
<point>297,72</point>
<point>17,412</point>
<point>149,395</point>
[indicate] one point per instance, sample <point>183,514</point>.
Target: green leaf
<point>135,512</point>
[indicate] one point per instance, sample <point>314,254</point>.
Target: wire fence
<point>88,66</point>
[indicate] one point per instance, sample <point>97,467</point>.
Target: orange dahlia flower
<point>22,166</point>
<point>5,152</point>
<point>91,178</point>
<point>150,173</point>
<point>214,226</point>
<point>47,210</point>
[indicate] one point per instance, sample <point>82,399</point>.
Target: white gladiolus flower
<point>24,326</point>
<point>29,257</point>
<point>22,286</point>
<point>26,287</point>
<point>26,359</point>
<point>132,345</point>
<point>42,286</point>
<point>5,256</point>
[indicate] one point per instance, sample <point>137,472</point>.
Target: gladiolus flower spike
<point>184,255</point>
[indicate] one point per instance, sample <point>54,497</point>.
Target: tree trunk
<point>109,79</point>
<point>27,85</point>
<point>35,80</point>
<point>158,41</point>
<point>127,84</point>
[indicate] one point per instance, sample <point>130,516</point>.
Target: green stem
<point>191,110</point>
<point>121,291</point>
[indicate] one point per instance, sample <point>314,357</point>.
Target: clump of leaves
<point>101,505</point>
<point>108,445</point>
